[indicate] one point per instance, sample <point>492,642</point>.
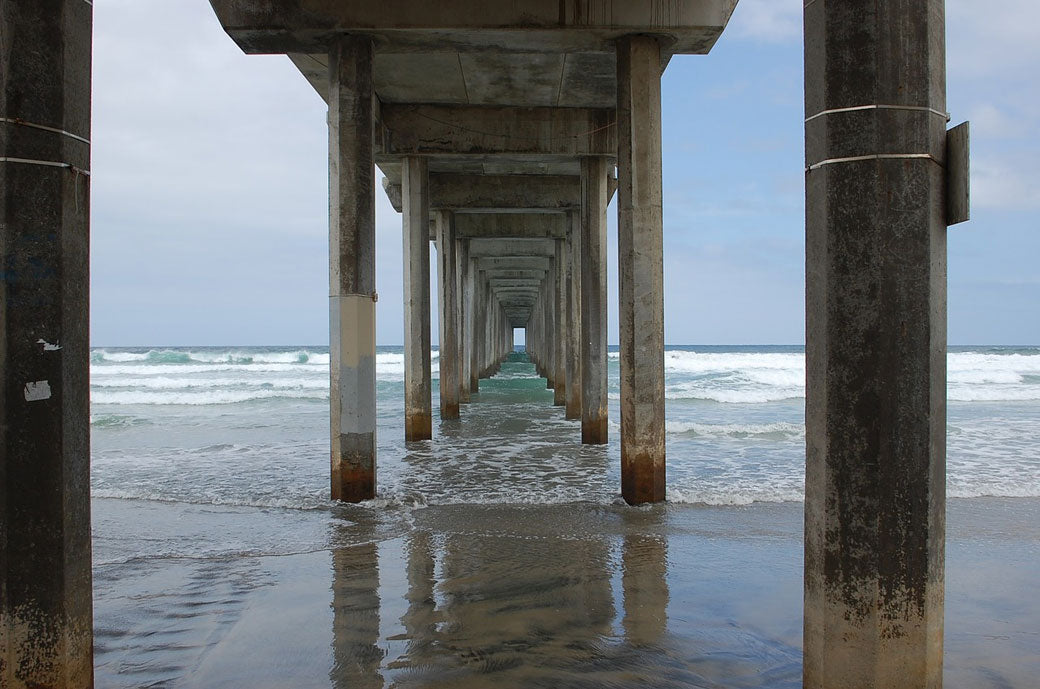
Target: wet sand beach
<point>574,595</point>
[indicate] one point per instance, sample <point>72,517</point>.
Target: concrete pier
<point>352,283</point>
<point>46,631</point>
<point>418,386</point>
<point>517,172</point>
<point>593,284</point>
<point>641,269</point>
<point>875,344</point>
<point>448,320</point>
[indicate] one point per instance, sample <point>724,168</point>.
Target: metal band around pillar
<point>857,108</point>
<point>875,156</point>
<point>15,120</point>
<point>49,163</point>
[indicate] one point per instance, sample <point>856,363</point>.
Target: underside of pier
<point>498,129</point>
<point>502,130</point>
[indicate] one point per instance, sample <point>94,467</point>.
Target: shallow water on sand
<point>574,595</point>
<point>497,554</point>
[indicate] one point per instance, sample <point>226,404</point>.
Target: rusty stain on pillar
<point>876,344</point>
<point>641,269</point>
<point>352,270</point>
<point>448,311</point>
<point>593,283</point>
<point>45,551</point>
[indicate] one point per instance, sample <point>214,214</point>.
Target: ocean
<point>213,529</point>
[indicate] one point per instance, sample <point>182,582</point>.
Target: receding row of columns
<point>474,332</point>
<point>566,334</point>
<point>569,327</point>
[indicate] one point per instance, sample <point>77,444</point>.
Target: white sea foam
<point>201,397</point>
<point>198,383</point>
<point>768,431</point>
<point>724,377</point>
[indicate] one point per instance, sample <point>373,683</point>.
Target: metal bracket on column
<point>958,177</point>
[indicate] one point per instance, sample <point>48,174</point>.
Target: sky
<point>209,209</point>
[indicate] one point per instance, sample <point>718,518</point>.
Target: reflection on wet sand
<point>644,570</point>
<point>356,655</point>
<point>507,600</point>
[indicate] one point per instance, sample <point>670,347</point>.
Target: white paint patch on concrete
<point>38,390</point>
<point>47,346</point>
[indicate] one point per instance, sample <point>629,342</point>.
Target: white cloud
<point>1004,184</point>
<point>770,20</point>
<point>991,121</point>
<point>992,39</point>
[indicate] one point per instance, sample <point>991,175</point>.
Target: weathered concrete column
<point>45,576</point>
<point>465,299</point>
<point>641,269</point>
<point>574,316</point>
<point>473,308</point>
<point>448,320</point>
<point>418,387</point>
<point>548,301</point>
<point>480,337</point>
<point>593,283</point>
<point>562,326</point>
<point>352,274</point>
<point>875,344</point>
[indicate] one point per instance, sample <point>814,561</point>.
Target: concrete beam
<point>421,129</point>
<point>515,293</point>
<point>518,225</point>
<point>504,193</point>
<point>513,248</point>
<point>513,263</point>
<point>523,26</point>
<point>506,274</point>
<point>514,284</point>
<point>497,192</point>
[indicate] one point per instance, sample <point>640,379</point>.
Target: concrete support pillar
<point>418,387</point>
<point>352,284</point>
<point>876,344</point>
<point>562,326</point>
<point>449,315</point>
<point>472,308</point>
<point>574,316</point>
<point>548,300</point>
<point>641,269</point>
<point>45,577</point>
<point>482,324</point>
<point>463,270</point>
<point>593,283</point>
